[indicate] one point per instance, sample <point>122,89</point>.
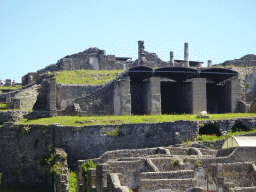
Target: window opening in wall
<point>209,129</point>
<point>239,127</point>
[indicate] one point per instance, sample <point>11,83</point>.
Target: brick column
<point>91,180</point>
<point>235,94</point>
<point>8,101</point>
<point>8,83</point>
<point>122,96</point>
<point>186,55</point>
<point>61,181</point>
<point>102,172</point>
<point>199,101</point>
<point>155,96</point>
<point>52,97</point>
<point>140,51</point>
<point>171,59</point>
<point>209,63</point>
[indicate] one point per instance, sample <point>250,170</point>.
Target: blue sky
<point>37,33</point>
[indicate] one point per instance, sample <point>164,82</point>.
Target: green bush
<point>84,168</point>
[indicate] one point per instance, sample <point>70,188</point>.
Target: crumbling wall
<point>238,173</point>
<point>66,93</point>
<point>28,97</point>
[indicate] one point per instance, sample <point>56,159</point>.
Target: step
<point>181,174</point>
<point>243,189</point>
<point>172,184</point>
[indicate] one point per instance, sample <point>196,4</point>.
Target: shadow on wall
<point>239,126</point>
<point>209,129</point>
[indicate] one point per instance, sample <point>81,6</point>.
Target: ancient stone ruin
<point>148,152</point>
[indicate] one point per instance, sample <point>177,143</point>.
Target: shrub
<point>84,168</point>
<point>198,162</point>
<point>175,162</point>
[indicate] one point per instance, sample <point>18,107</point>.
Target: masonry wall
<point>239,174</point>
<point>66,93</point>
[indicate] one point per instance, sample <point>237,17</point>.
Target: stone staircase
<point>180,180</point>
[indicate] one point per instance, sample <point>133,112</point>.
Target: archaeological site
<point>139,157</point>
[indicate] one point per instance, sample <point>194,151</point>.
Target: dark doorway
<point>239,127</point>
<point>212,95</point>
<point>209,129</point>
<point>218,98</point>
<point>169,97</point>
<point>139,96</point>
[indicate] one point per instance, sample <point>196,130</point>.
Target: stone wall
<point>239,174</point>
<point>28,97</point>
<point>66,93</point>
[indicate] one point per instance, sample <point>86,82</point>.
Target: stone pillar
<point>140,51</point>
<point>8,83</point>
<point>155,96</point>
<point>209,63</point>
<point>61,181</point>
<point>16,103</point>
<point>235,94</point>
<point>199,101</point>
<point>171,59</point>
<point>8,101</point>
<point>186,55</point>
<point>94,61</point>
<point>91,180</point>
<point>122,96</point>
<point>52,98</point>
<point>102,172</point>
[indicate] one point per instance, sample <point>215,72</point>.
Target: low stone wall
<point>11,116</point>
<point>239,173</point>
<point>151,185</point>
<point>16,115</point>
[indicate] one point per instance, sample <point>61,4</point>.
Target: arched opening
<point>209,129</point>
<point>239,127</point>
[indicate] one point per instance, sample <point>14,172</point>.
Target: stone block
<point>16,103</point>
<point>8,83</point>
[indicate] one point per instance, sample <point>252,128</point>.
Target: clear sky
<point>37,33</point>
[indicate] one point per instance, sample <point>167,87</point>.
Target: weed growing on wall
<point>175,162</point>
<point>50,162</point>
<point>198,162</point>
<point>84,168</point>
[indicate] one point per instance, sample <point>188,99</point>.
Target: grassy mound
<point>94,77</point>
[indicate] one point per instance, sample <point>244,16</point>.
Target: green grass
<point>2,105</point>
<point>72,181</point>
<point>214,137</point>
<point>4,109</point>
<point>86,76</point>
<point>93,120</point>
<point>12,87</point>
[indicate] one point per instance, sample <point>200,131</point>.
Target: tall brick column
<point>199,101</point>
<point>122,96</point>
<point>235,94</point>
<point>102,172</point>
<point>52,98</point>
<point>155,96</point>
<point>9,101</point>
<point>140,51</point>
<point>171,59</point>
<point>209,63</point>
<point>186,55</point>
